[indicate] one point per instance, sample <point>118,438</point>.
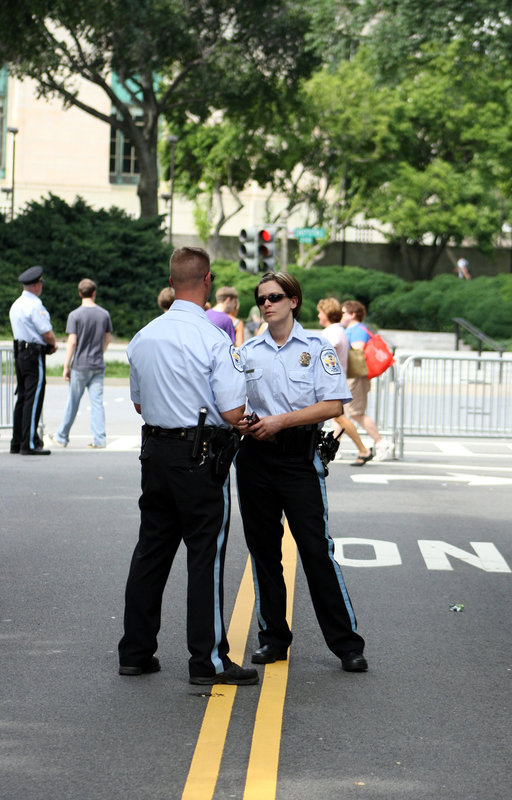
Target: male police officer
<point>187,382</point>
<point>33,338</point>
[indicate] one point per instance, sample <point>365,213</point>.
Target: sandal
<point>361,460</point>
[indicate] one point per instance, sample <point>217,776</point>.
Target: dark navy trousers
<point>271,482</point>
<point>181,500</point>
<point>31,382</point>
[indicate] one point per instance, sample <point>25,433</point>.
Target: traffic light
<point>248,250</point>
<point>267,248</point>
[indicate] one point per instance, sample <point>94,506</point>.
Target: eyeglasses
<point>212,276</point>
<point>272,298</point>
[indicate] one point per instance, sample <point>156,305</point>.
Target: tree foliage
<point>168,58</point>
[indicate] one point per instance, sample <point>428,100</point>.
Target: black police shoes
<point>354,662</point>
<point>36,451</point>
<point>153,665</point>
<point>267,654</point>
<point>233,675</point>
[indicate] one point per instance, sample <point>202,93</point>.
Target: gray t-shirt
<point>90,324</point>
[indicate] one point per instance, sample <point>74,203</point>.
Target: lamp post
<point>14,131</point>
<point>172,142</point>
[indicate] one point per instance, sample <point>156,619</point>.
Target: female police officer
<point>294,382</point>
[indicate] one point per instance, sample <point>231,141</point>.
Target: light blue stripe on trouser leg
<point>257,595</point>
<point>35,402</point>
<point>348,605</point>
<point>217,616</point>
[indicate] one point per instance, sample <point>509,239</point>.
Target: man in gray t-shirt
<point>88,328</point>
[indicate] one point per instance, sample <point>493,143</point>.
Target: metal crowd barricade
<point>7,386</point>
<point>443,395</point>
<point>453,395</point>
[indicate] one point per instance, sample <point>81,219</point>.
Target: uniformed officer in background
<point>294,383</point>
<point>186,381</point>
<point>33,338</point>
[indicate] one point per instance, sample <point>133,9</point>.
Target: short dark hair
<point>189,265</point>
<point>289,285</point>
<point>86,287</point>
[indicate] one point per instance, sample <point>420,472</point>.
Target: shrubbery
<point>129,261</point>
<point>125,257</point>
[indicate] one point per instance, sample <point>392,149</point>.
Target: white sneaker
<point>93,446</point>
<point>383,451</point>
<point>54,439</point>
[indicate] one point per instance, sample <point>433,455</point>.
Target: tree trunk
<point>148,182</point>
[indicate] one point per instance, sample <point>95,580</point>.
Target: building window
<point>124,166</point>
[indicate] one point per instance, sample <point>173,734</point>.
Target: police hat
<point>30,275</point>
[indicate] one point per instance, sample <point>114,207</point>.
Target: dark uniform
<point>287,475</point>
<point>29,321</point>
<point>180,363</point>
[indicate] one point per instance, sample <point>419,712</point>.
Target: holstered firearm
<point>224,446</point>
<point>327,447</point>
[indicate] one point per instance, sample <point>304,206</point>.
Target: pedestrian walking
<point>226,301</point>
<point>89,328</point>
<point>329,316</point>
<point>33,339</point>
<point>352,314</point>
<point>294,383</point>
<point>462,269</point>
<point>187,383</point>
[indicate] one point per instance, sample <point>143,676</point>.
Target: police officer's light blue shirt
<point>302,372</point>
<point>180,362</point>
<point>29,318</point>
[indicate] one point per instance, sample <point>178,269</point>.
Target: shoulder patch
<point>235,358</point>
<point>330,361</point>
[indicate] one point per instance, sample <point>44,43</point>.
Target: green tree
<point>168,58</point>
<point>398,31</point>
<point>429,157</point>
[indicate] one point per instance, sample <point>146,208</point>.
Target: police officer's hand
<point>267,427</point>
<point>243,426</point>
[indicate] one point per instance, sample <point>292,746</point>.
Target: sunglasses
<point>272,298</point>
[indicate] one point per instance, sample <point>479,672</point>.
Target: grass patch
<point>113,369</point>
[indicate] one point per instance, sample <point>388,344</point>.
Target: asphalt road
<point>430,719</point>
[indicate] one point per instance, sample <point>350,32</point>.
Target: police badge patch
<point>330,361</point>
<point>305,359</point>
<point>235,358</point>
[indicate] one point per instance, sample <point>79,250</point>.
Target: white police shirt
<point>180,362</point>
<point>304,371</point>
<point>29,318</point>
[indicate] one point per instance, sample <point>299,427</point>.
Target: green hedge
<point>125,257</point>
<point>129,261</point>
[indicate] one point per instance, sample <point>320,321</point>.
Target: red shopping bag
<point>378,355</point>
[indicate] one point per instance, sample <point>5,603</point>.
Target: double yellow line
<point>261,779</point>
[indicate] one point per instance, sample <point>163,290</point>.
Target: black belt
<point>185,434</point>
<point>21,345</point>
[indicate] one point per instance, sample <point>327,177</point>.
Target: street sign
<point>308,235</point>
